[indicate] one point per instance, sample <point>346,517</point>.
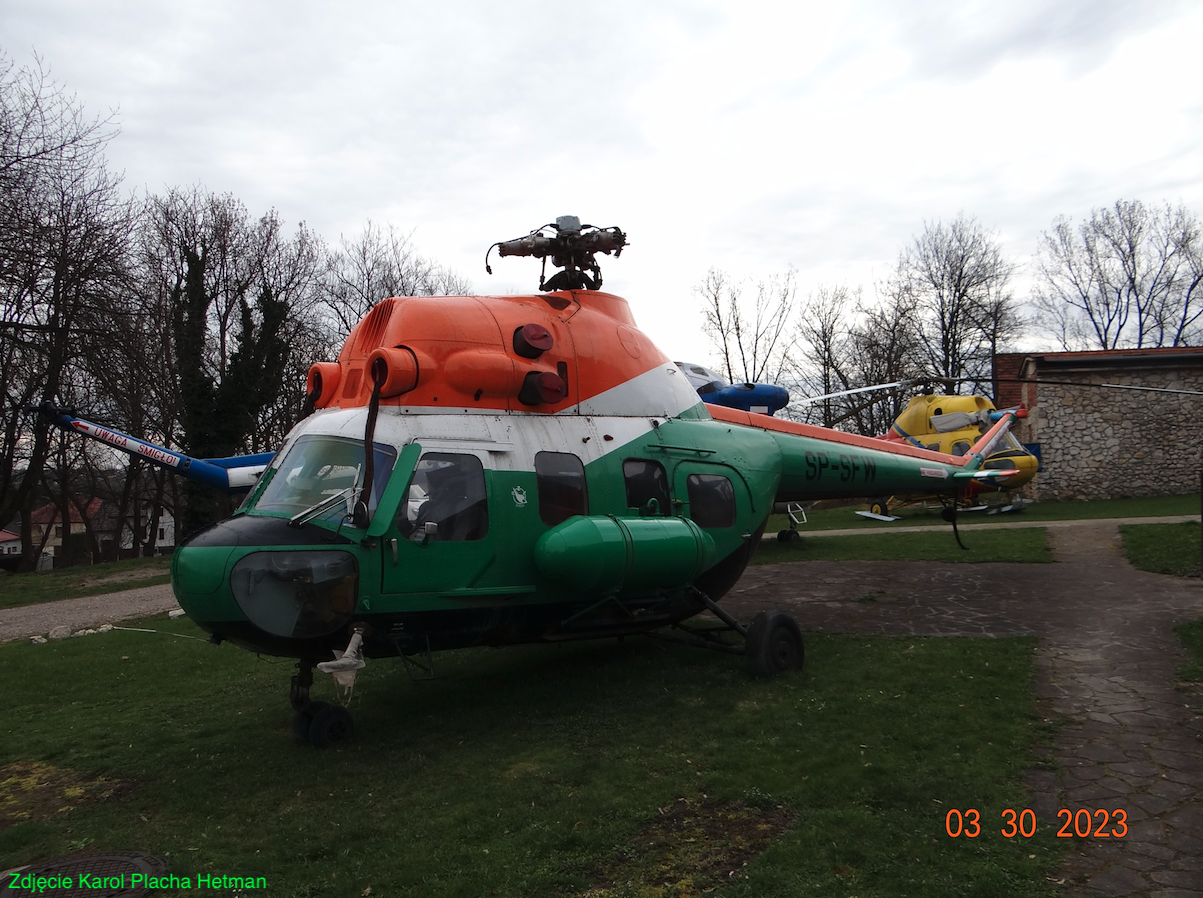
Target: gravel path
<point>92,611</point>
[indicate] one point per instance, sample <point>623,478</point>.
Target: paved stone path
<point>1105,663</point>
<point>970,521</point>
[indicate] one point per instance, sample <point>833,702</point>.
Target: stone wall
<point>1099,443</point>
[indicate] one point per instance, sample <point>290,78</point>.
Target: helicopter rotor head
<point>571,246</point>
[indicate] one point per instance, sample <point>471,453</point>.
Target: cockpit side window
<point>447,490</point>
<point>645,480</point>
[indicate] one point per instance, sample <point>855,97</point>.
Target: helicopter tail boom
<point>818,463</point>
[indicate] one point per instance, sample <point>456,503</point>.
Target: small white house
<point>10,543</point>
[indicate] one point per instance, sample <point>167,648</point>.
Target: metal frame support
<point>697,639</point>
<point>708,637</point>
<point>410,663</point>
<point>721,614</point>
<point>298,692</point>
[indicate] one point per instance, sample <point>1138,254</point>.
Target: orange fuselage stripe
<point>781,425</point>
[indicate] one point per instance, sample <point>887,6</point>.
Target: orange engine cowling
<point>396,370</point>
<point>323,377</point>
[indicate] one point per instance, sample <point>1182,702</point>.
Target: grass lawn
<point>847,518</point>
<point>1028,544</point>
<point>1191,635</point>
<point>89,580</point>
<point>1164,548</point>
<point>596,769</point>
<point>1171,549</point>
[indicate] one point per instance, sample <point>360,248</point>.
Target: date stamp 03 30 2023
<point>1084,822</point>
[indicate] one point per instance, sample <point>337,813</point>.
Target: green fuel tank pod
<point>603,554</point>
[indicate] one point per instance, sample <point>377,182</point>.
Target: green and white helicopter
<point>492,470</point>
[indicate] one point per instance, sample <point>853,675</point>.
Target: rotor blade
<point>899,383</point>
<point>992,474</point>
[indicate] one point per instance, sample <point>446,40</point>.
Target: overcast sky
<point>745,136</point>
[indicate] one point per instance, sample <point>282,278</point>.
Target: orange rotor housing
<point>540,353</point>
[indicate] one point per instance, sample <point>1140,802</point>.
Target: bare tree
<point>290,271</point>
<point>887,348</point>
<point>823,361</point>
<point>41,126</point>
<point>237,297</point>
<point>1128,276</point>
<point>63,245</point>
<point>380,263</point>
<point>846,345</point>
<point>943,313</point>
<point>957,281</point>
<point>751,335</point>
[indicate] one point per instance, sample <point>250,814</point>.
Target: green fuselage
<point>497,529</point>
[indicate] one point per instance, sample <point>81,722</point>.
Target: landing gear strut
<point>772,644</point>
<point>793,509</point>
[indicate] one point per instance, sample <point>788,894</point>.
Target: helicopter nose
<point>299,594</point>
<point>198,578</point>
<point>1024,462</point>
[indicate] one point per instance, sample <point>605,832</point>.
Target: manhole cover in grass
<point>118,874</point>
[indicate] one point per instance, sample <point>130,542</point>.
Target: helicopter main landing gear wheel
<point>880,506</point>
<point>774,644</point>
<point>323,725</point>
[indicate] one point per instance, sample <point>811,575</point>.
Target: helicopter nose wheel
<point>319,723</point>
<point>303,720</point>
<point>323,725</point>
<point>330,725</point>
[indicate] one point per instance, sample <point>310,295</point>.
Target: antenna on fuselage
<point>571,247</point>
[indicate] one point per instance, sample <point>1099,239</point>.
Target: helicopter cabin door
<point>441,540</point>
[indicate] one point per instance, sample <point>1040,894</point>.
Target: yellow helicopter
<point>951,425</point>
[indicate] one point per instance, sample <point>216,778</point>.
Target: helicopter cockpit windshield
<point>316,469</point>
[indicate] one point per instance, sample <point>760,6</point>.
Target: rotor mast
<point>571,247</point>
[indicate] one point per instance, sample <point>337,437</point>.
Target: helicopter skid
<point>888,518</point>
